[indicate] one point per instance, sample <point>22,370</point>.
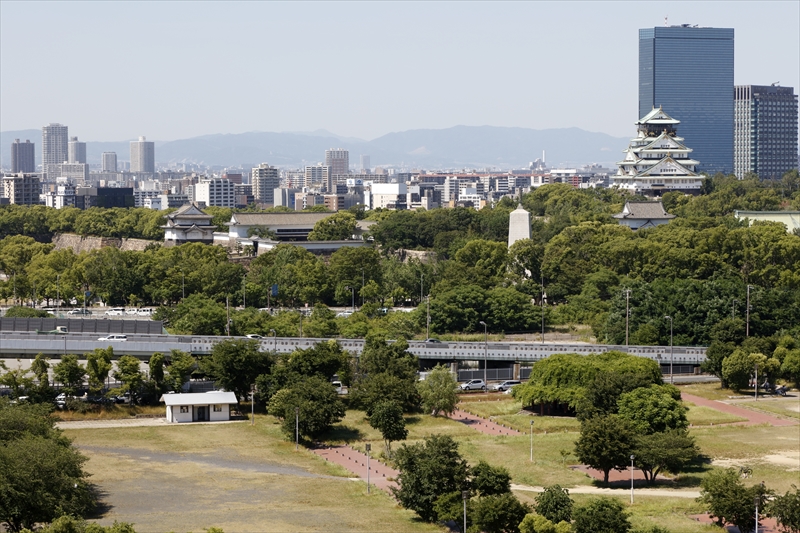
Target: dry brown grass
<point>110,412</point>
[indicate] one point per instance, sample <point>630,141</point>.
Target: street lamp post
<point>252,406</point>
<point>531,440</point>
<point>368,448</point>
<point>421,286</point>
<point>274,340</point>
<point>747,314</point>
<point>485,355</point>
<point>632,458</point>
<point>627,313</point>
<point>296,428</point>
<point>670,349</point>
<point>465,496</point>
<point>58,294</point>
<point>428,319</point>
<point>542,306</point>
<point>183,285</point>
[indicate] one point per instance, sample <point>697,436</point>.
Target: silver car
<point>474,384</point>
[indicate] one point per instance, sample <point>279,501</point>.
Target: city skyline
<point>470,63</point>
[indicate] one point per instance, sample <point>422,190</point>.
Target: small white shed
<point>211,406</point>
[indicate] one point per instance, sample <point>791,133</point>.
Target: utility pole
<point>485,354</point>
<point>421,286</point>
<point>542,305</point>
<point>228,315</point>
<point>627,313</point>
<point>670,349</point>
<point>428,320</point>
<point>747,312</point>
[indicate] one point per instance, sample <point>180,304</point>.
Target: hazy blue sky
<point>115,70</point>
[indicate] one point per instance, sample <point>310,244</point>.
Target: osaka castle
<point>656,160</point>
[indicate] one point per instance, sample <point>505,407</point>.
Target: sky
<point>169,70</point>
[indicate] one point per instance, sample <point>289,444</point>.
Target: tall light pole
<point>747,312</point>
<point>183,285</point>
<point>362,293</point>
<point>296,428</point>
<point>632,458</point>
<point>531,440</point>
<point>485,354</point>
<point>252,406</point>
<point>428,319</point>
<point>542,305</point>
<point>58,293</point>
<point>421,286</point>
<point>274,340</point>
<point>465,496</point>
<point>368,448</point>
<point>627,313</point>
<point>244,293</point>
<point>670,349</point>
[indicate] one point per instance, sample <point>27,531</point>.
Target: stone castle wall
<point>78,243</point>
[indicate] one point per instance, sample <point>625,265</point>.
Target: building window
<point>184,408</point>
<point>217,408</point>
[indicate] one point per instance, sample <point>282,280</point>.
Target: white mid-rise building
<point>76,151</point>
<point>265,179</point>
<point>317,174</point>
<point>216,192</point>
<point>109,161</point>
<point>63,196</point>
<point>387,195</point>
<point>143,156</point>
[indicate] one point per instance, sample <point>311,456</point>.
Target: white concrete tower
<point>519,225</point>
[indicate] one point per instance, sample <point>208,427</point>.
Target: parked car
<point>343,314</point>
<point>506,385</point>
<point>255,336</point>
<point>79,311</point>
<point>114,337</point>
<point>116,311</point>
<point>131,311</point>
<point>144,311</point>
<point>433,341</point>
<point>474,384</point>
<point>339,387</point>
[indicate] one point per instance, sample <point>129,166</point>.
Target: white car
<point>144,311</point>
<point>506,385</point>
<point>254,336</point>
<point>473,384</point>
<point>131,311</point>
<point>114,337</point>
<point>116,311</point>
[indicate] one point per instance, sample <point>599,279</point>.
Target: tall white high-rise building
<point>143,156</point>
<point>365,164</point>
<point>109,161</point>
<point>265,179</point>
<point>55,138</point>
<point>338,160</point>
<point>76,151</point>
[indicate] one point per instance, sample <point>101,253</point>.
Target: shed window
<point>184,408</point>
<point>217,408</point>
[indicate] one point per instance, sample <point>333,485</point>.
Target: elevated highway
<point>15,345</point>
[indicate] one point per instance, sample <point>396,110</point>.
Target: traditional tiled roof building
<point>188,224</point>
<point>656,160</point>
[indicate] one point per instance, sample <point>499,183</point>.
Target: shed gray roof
<point>277,219</point>
<point>644,210</point>
<point>199,398</point>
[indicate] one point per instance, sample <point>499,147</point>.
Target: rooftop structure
<point>637,215</point>
<point>188,224</point>
<point>656,160</point>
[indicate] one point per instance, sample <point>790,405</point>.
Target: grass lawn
<point>789,407</point>
<point>699,415</point>
<point>188,478</point>
<point>711,391</point>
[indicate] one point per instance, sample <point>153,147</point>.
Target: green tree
<point>387,417</point>
<point>501,513</point>
<point>41,474</point>
<point>337,227</point>
<point>69,373</point>
<point>180,367</point>
<point>601,515</point>
<point>534,523</point>
<point>386,371</point>
<point>488,480</point>
<point>428,470</point>
<point>671,451</point>
<point>69,524</point>
<point>653,409</point>
<point>26,312</point>
<point>727,499</point>
<point>318,404</point>
<point>156,365</point>
<point>235,364</point>
<point>554,504</point>
<point>786,510</point>
<point>129,373</point>
<point>98,365</point>
<point>791,366</point>
<point>438,391</point>
<point>16,379</point>
<point>605,443</point>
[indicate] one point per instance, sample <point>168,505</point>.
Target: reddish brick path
<point>754,418</point>
<point>481,424</point>
<point>765,525</point>
<point>356,462</point>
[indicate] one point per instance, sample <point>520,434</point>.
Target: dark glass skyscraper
<point>689,72</point>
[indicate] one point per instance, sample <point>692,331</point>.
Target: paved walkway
<point>585,489</point>
<point>754,418</point>
<point>356,462</point>
<point>481,424</point>
<point>765,525</point>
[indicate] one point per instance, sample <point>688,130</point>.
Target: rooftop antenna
<point>776,84</point>
<point>665,20</point>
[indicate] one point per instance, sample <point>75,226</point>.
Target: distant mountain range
<point>456,147</point>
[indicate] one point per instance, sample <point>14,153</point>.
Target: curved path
<point>754,418</point>
<point>481,424</point>
<point>353,460</point>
